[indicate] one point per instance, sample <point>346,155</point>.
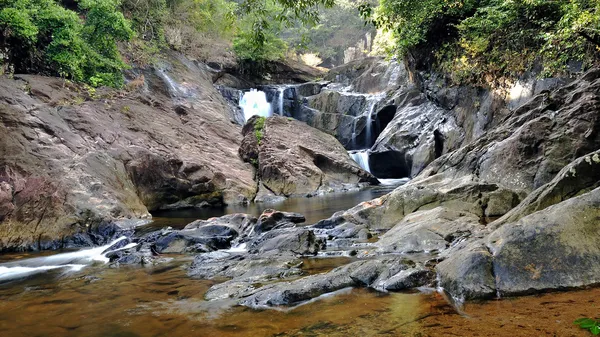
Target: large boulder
<point>293,158</point>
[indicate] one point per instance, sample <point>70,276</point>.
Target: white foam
<point>237,249</point>
<point>254,103</point>
<point>361,158</point>
<point>74,261</point>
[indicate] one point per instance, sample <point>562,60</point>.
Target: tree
<point>472,39</point>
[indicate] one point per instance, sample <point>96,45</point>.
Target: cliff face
<point>72,159</point>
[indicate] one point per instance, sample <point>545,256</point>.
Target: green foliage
<point>412,21</point>
<point>259,127</point>
<point>264,19</point>
<point>493,38</point>
<point>42,36</point>
<point>148,18</point>
<point>589,324</point>
<point>339,27</point>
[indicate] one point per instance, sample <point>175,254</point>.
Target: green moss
<point>259,127</point>
<point>214,197</point>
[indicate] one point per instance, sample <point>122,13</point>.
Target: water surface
<point>314,209</point>
<point>163,301</point>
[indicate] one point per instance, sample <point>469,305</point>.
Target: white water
<point>371,103</point>
<point>237,249</point>
<point>361,158</point>
<point>175,89</point>
<point>74,261</point>
<point>393,182</point>
<point>281,91</point>
<point>254,103</point>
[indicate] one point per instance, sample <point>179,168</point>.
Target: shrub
<point>41,36</point>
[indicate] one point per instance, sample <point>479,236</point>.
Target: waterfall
<point>354,134</point>
<point>74,261</point>
<point>361,158</point>
<point>371,103</point>
<point>175,90</point>
<point>281,91</point>
<point>254,103</point>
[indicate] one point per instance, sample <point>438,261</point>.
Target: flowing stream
<point>78,294</point>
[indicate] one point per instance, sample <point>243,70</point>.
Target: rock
<point>535,141</point>
<point>265,196</point>
<point>419,133</point>
<point>370,75</point>
<point>580,176</point>
<point>6,200</point>
<point>360,273</point>
<point>271,219</point>
<point>78,159</point>
<point>232,96</point>
<point>298,241</point>
<point>308,164</point>
<point>429,231</point>
<point>467,274</point>
<point>232,222</point>
<point>409,279</point>
<point>555,248</point>
<point>202,235</point>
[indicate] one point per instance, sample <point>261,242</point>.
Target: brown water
<point>162,301</point>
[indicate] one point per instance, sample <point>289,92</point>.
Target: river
<point>89,298</point>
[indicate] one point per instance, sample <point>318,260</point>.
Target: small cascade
<point>175,90</point>
<point>70,262</point>
<point>280,92</point>
<point>354,134</point>
<point>254,103</point>
<point>371,103</point>
<point>361,158</point>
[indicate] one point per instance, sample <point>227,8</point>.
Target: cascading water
<point>281,92</point>
<point>175,90</point>
<point>74,261</point>
<point>254,103</point>
<point>361,158</point>
<point>371,103</point>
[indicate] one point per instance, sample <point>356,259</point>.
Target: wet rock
<point>409,279</point>
<point>356,274</point>
<point>231,224</point>
<point>248,273</point>
<point>272,219</point>
<point>419,133</point>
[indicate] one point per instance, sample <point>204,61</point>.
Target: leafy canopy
<point>471,38</point>
<point>42,36</point>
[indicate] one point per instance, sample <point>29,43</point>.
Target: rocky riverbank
<point>75,160</point>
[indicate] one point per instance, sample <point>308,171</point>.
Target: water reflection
<point>314,209</point>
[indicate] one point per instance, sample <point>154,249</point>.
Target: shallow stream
<point>93,299</point>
